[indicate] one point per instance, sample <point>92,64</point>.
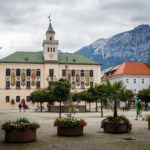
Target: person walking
<point>20,106</point>
<point>138,109</point>
<point>24,107</point>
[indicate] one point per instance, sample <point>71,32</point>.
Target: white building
<point>135,76</point>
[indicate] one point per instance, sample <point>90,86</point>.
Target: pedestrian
<point>20,106</point>
<point>24,106</point>
<point>138,109</point>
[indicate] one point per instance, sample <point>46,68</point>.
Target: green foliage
<point>110,120</point>
<point>40,96</point>
<point>61,90</point>
<point>21,124</point>
<point>144,95</point>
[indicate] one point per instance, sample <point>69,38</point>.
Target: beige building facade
<point>24,72</point>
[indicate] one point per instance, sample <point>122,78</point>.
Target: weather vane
<point>49,17</point>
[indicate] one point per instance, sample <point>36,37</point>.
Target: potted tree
<point>21,130</point>
<point>69,125</point>
<point>116,124</point>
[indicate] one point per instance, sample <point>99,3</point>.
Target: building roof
<point>50,29</point>
<point>128,68</point>
<point>37,57</point>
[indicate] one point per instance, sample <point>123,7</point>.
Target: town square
<point>74,75</point>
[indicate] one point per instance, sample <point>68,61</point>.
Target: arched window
<point>54,49</point>
<point>48,49</point>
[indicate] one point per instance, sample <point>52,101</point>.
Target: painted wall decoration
<point>23,78</point>
<point>87,78</point>
<point>13,77</point>
<point>69,75</point>
<point>77,77</point>
<point>33,76</point>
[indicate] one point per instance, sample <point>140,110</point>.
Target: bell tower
<point>50,45</point>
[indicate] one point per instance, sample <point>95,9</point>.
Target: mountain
<point>133,45</point>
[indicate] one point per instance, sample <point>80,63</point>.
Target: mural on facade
<point>33,75</point>
<point>77,77</point>
<point>87,78</point>
<point>12,77</point>
<point>23,79</point>
<point>69,75</point>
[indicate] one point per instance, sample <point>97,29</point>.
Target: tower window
<point>50,38</point>
<point>53,49</point>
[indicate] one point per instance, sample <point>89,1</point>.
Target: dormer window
<point>50,38</point>
<point>53,49</point>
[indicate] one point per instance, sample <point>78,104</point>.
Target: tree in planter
<point>40,96</point>
<point>115,123</point>
<point>113,91</point>
<point>144,95</point>
<point>61,92</point>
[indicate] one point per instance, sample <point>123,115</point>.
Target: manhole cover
<point>129,139</point>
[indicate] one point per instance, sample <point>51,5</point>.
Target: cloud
<point>77,22</point>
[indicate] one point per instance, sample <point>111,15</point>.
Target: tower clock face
<point>51,56</point>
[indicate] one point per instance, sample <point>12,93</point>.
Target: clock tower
<point>50,45</point>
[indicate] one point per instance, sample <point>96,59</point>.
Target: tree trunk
<point>60,110</point>
<point>85,106</point>
<point>115,109</point>
<point>96,107</point>
<point>41,107</point>
<point>101,109</point>
<point>90,106</point>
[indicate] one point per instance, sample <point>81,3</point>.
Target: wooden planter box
<point>20,136</point>
<point>122,128</point>
<point>68,131</point>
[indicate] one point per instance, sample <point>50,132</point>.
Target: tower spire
<point>50,28</point>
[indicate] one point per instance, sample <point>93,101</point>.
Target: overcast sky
<point>77,23</point>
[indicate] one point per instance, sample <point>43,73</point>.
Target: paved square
<point>93,139</point>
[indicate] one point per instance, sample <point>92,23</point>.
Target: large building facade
<point>23,72</point>
<point>135,76</point>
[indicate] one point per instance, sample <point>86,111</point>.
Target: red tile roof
<point>129,68</point>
